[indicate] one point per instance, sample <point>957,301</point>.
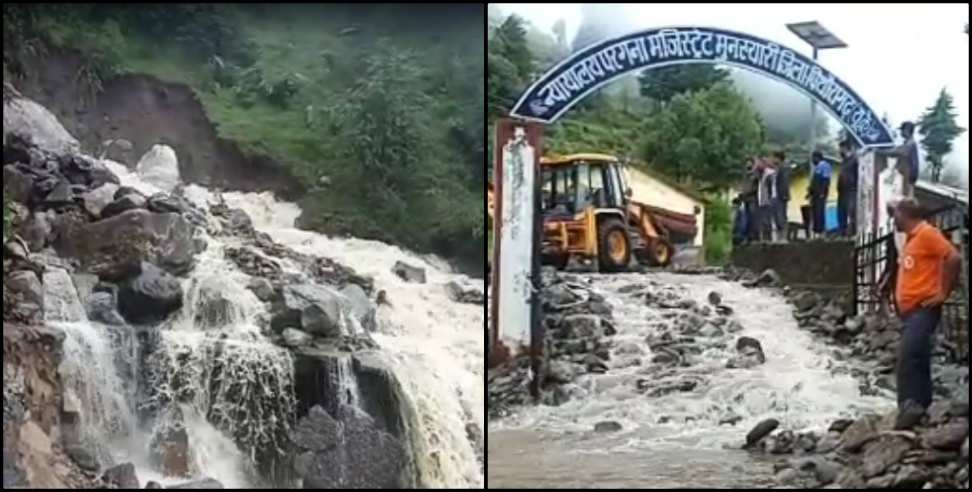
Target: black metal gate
<point>875,256</point>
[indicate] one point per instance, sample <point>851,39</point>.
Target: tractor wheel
<point>660,253</point>
<point>613,246</point>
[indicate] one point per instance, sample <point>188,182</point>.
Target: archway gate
<point>518,143</point>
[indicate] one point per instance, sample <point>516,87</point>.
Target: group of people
<point>760,210</point>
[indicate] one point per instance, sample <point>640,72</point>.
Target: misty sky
<point>898,56</point>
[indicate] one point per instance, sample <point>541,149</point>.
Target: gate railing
<point>875,254</point>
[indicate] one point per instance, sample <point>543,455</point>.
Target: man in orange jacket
<point>928,270</point>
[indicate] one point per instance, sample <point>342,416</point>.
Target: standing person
<point>740,222</point>
<point>750,187</point>
<point>847,190</point>
<point>907,157</point>
<point>928,270</point>
<point>766,198</point>
<point>819,191</point>
<point>778,158</point>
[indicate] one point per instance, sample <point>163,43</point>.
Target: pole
<point>813,116</point>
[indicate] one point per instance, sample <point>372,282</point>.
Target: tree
<point>938,129</point>
<point>705,136</point>
<point>662,84</point>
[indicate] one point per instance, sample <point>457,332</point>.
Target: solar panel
<point>816,35</point>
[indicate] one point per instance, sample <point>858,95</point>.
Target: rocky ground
<point>912,448</point>
<point>126,254</point>
<point>917,449</point>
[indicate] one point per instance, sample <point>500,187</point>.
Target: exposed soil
<point>147,111</point>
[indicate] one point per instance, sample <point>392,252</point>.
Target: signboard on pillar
<point>517,147</point>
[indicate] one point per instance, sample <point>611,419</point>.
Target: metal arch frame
<point>594,47</point>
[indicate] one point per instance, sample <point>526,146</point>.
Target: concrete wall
<point>651,191</point>
<point>806,264</point>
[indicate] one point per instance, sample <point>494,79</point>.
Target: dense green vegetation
<point>938,129</point>
<point>378,109</point>
<point>688,122</point>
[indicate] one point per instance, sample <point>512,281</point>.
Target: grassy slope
<point>306,40</point>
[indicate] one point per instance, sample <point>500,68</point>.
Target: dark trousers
<point>914,356</point>
<point>819,205</point>
<point>846,211</point>
<point>764,222</point>
<point>780,208</point>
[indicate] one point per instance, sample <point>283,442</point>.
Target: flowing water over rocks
<point>202,340</point>
<point>687,374</point>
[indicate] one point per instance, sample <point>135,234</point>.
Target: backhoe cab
<point>588,214</point>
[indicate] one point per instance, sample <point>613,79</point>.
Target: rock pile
<point>890,451</point>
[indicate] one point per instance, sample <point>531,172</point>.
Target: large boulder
<point>949,437</point>
<point>150,297</point>
<point>313,308</point>
<point>364,457</point>
<point>409,273</point>
<point>34,123</point>
<point>160,167</point>
<point>295,338</point>
<point>97,199</point>
<point>361,307</point>
<point>114,248</point>
<point>761,430</point>
<point>37,230</point>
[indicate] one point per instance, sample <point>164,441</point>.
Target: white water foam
<point>435,345</point>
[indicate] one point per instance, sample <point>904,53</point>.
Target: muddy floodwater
<point>681,439</point>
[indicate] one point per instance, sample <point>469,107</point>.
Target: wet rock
<point>361,307</point>
<point>882,482</point>
<point>938,412</point>
<point>560,372</point>
<point>85,459</point>
<point>781,443</point>
<point>238,222</point>
<point>101,308</point>
<point>464,293</point>
<point>911,477</point>
<point>114,248</point>
<point>761,430</point>
<point>351,451</point>
<point>859,433</point>
<point>909,416</point>
<point>582,326</point>
<point>710,331</point>
<point>153,485</point>
<point>296,338</point>
<point>949,437</point>
<point>823,470</point>
<point>714,298</point>
<point>607,426</point>
<point>122,205</point>
<point>769,278</point>
<point>960,407</point>
<point>965,450</point>
<point>629,348</point>
<point>262,289</point>
<point>150,297</point>
<point>62,195</point>
<point>804,301</point>
<point>313,308</point>
<point>163,203</point>
<point>205,483</point>
<point>828,443</point>
<point>122,476</point>
<point>594,364</point>
<point>748,344</point>
<point>409,273</point>
<point>159,167</point>
<point>883,453</point>
<point>124,191</point>
<point>85,284</point>
<point>318,431</point>
<point>806,443</point>
<point>840,425</point>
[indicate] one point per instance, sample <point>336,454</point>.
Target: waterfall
<point>211,379</point>
<point>432,344</point>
